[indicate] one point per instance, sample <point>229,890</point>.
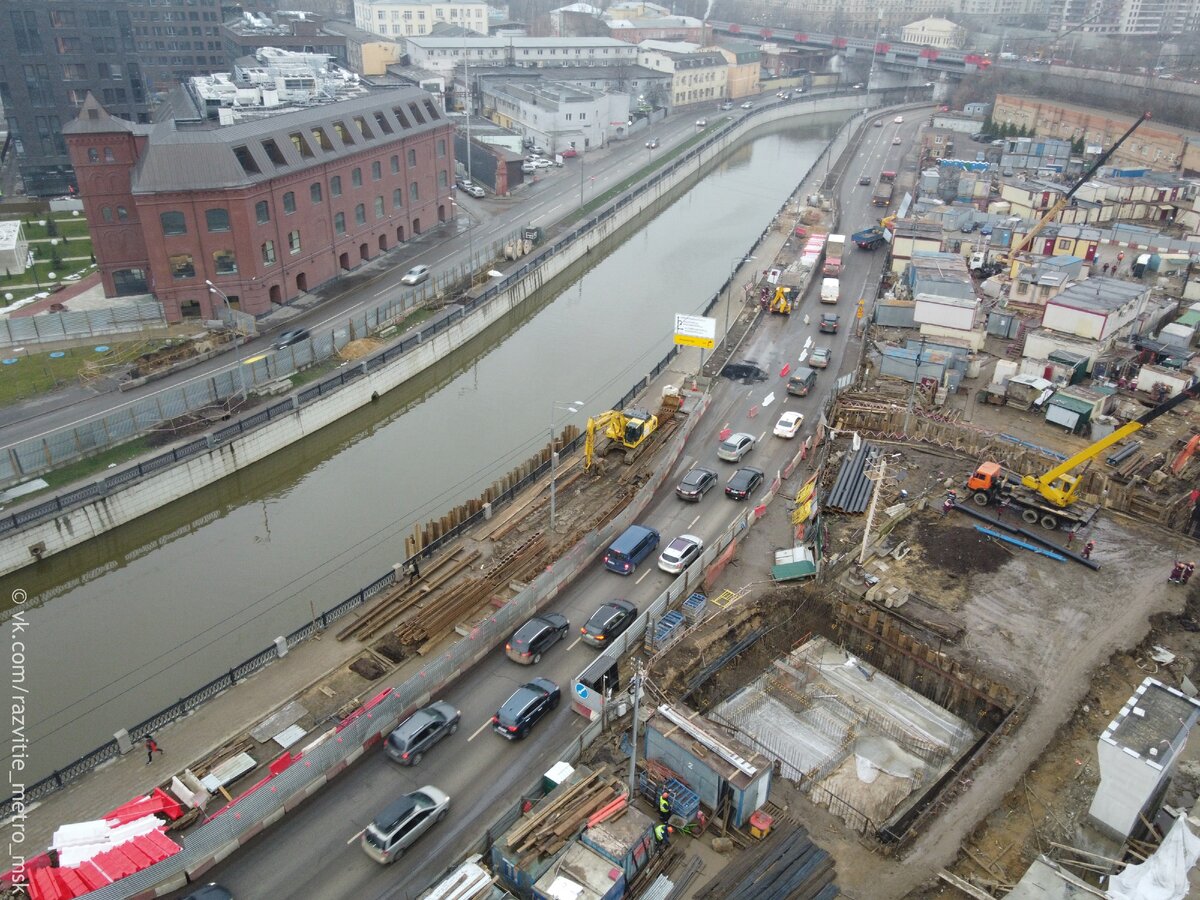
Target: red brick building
<point>267,208</point>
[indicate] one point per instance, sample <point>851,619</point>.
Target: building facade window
<point>335,186</point>
<point>216,219</point>
<point>268,253</point>
<point>356,178</point>
<point>360,215</point>
<point>443,179</point>
<point>397,198</point>
<point>173,223</point>
<point>376,170</point>
<point>108,155</point>
<point>441,148</point>
<point>412,156</point>
<point>289,203</point>
<point>122,214</point>
<point>339,223</point>
<point>93,154</point>
<point>182,265</point>
<point>106,213</point>
<point>224,262</point>
<point>314,192</point>
<point>414,192</point>
<point>262,212</point>
<point>395,163</point>
<point>294,241</point>
<point>379,207</point>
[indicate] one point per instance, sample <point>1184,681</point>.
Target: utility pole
<point>636,685</point>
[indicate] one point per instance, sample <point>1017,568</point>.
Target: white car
<point>789,423</point>
<point>680,553</point>
<point>415,275</point>
<point>734,447</point>
<point>702,123</point>
<point>748,105</point>
<point>899,120</point>
<point>469,187</point>
<point>540,163</point>
<point>528,168</point>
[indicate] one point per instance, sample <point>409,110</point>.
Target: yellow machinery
<point>1044,497</point>
<point>781,303</point>
<point>626,431</point>
<point>1061,203</point>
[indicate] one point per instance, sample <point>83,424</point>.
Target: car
<point>211,891</point>
<point>538,150</point>
<point>525,708</point>
<point>789,423</point>
<point>473,190</point>
<point>784,95</point>
<point>726,105</point>
<point>702,123</point>
<point>652,144</point>
<point>864,179</point>
<point>742,482</point>
<point>819,358</point>
<point>878,123</point>
<point>295,336</point>
<point>535,637</point>
<point>409,741</point>
<point>415,275</point>
<point>608,623</point>
<point>569,153</point>
<point>829,323</point>
<point>899,120</point>
<point>748,105</point>
<point>857,86</point>
<point>680,553</point>
<point>734,447</point>
<point>399,825</point>
<point>528,168</point>
<point>540,163</point>
<point>695,484</point>
<point>896,140</point>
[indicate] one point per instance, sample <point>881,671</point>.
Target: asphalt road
<point>314,852</point>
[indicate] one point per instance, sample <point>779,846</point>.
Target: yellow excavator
<point>626,431</point>
<point>1050,498</point>
<point>781,303</point>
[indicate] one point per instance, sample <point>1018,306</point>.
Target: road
<point>482,773</point>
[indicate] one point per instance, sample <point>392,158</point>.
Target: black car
<point>525,707</point>
<point>535,637</point>
<point>609,622</point>
<point>288,338</point>
<point>829,323</point>
<point>212,891</point>
<point>743,482</point>
<point>695,484</point>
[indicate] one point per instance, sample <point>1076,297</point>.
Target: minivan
<point>635,544</point>
<point>801,381</point>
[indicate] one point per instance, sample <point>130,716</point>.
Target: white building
<point>698,77</point>
<point>407,18</point>
<point>574,12</point>
<point>14,249</point>
<point>1097,309</point>
<point>1132,17</point>
<point>558,115</point>
<point>934,32</point>
<point>438,54</point>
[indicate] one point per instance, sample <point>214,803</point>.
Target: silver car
<point>410,740</point>
<point>734,447</point>
<point>399,825</point>
<point>415,275</point>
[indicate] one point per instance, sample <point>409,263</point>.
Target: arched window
<point>217,219</point>
<point>173,223</point>
<point>106,213</point>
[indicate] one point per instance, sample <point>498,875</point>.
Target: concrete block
<point>281,647</point>
<point>124,744</point>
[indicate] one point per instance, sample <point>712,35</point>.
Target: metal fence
<point>121,318</point>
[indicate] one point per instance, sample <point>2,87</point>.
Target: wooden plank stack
<point>552,824</point>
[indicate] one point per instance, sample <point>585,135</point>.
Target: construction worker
<point>1087,549</point>
<point>1176,576</point>
<point>662,835</point>
<point>664,807</point>
<point>1188,569</point>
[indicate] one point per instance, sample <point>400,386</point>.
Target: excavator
<point>1061,203</point>
<point>626,430</point>
<point>781,303</point>
<point>1050,498</point>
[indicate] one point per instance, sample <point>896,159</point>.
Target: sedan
<point>415,275</point>
<point>819,358</point>
<point>528,168</point>
<point>878,123</point>
<point>681,553</point>
<point>896,141</point>
<point>652,144</point>
<point>727,105</point>
<point>608,623</point>
<point>295,336</point>
<point>702,123</point>
<point>695,484</point>
<point>569,153</point>
<point>734,447</point>
<point>474,190</point>
<point>748,105</point>
<point>743,482</point>
<point>541,163</point>
<point>525,708</point>
<point>535,637</point>
<point>864,179</point>
<point>899,120</point>
<point>789,423</point>
<point>829,323</point>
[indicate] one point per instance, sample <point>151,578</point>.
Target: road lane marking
<point>480,729</point>
<point>355,838</point>
<point>575,643</point>
<point>761,436</point>
<point>644,574</point>
<point>694,521</point>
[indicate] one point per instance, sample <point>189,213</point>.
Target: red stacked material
<point>157,803</point>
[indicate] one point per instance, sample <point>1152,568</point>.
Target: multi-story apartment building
<point>1128,17</point>
<point>558,115</point>
<point>412,18</point>
<point>296,31</point>
<point>445,54</point>
<point>697,76</point>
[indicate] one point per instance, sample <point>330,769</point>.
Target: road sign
<point>581,691</point>
<point>695,331</point>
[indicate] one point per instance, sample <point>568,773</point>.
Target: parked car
<point>528,168</point>
<point>608,623</point>
<point>569,153</point>
<point>789,423</point>
<point>525,708</point>
<point>415,275</point>
<point>542,163</point>
<point>538,149</point>
<point>864,179</point>
<point>829,323</point>
<point>743,482</point>
<point>734,447</point>
<point>680,553</point>
<point>652,144</point>
<point>819,358</point>
<point>695,484</point>
<point>469,187</point>
<point>409,741</point>
<point>397,828</point>
<point>535,637</point>
<point>295,336</point>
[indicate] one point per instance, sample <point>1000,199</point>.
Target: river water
<point>124,625</point>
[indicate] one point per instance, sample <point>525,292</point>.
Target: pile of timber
<point>786,865</point>
<point>544,832</point>
<point>441,613</point>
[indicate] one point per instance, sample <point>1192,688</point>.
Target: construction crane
<point>626,430</point>
<point>1060,204</point>
<point>1048,498</point>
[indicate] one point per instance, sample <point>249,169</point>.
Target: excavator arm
<point>597,423</point>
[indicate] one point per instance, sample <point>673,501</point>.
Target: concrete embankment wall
<point>100,514</point>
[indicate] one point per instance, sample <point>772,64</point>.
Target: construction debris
<point>787,865</point>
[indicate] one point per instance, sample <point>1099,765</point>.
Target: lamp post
<point>217,292</point>
<point>556,406</point>
<point>470,238</point>
<point>874,51</point>
<point>737,262</point>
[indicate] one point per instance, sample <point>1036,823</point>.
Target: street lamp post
<point>737,262</point>
<point>470,239</point>
<point>555,406</point>
<point>217,292</point>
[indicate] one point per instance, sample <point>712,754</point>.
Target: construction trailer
<point>723,772</point>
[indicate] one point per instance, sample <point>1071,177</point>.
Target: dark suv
<point>525,708</point>
<point>535,637</point>
<point>410,740</point>
<point>829,323</point>
<point>608,623</point>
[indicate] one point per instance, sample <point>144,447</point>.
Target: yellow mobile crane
<point>1060,204</point>
<point>625,430</point>
<point>1050,498</point>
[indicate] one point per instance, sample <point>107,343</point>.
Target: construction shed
<point>580,874</point>
<point>625,842</point>
<point>707,758</point>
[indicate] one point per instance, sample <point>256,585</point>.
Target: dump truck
<point>882,195</point>
<point>830,289</point>
<point>835,246</point>
<point>868,238</point>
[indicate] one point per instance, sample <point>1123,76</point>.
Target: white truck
<point>830,289</point>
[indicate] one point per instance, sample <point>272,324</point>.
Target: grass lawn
<point>69,226</point>
<point>39,373</point>
<point>96,464</point>
<point>43,270</point>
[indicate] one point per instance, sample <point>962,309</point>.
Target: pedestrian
<point>151,748</point>
<point>1187,571</point>
<point>1105,267</point>
<point>1176,576</point>
<point>947,505</point>
<point>1120,259</point>
<point>1070,538</point>
<point>1087,549</point>
<point>414,571</point>
<point>1002,508</point>
<point>662,835</point>
<point>664,807</point>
